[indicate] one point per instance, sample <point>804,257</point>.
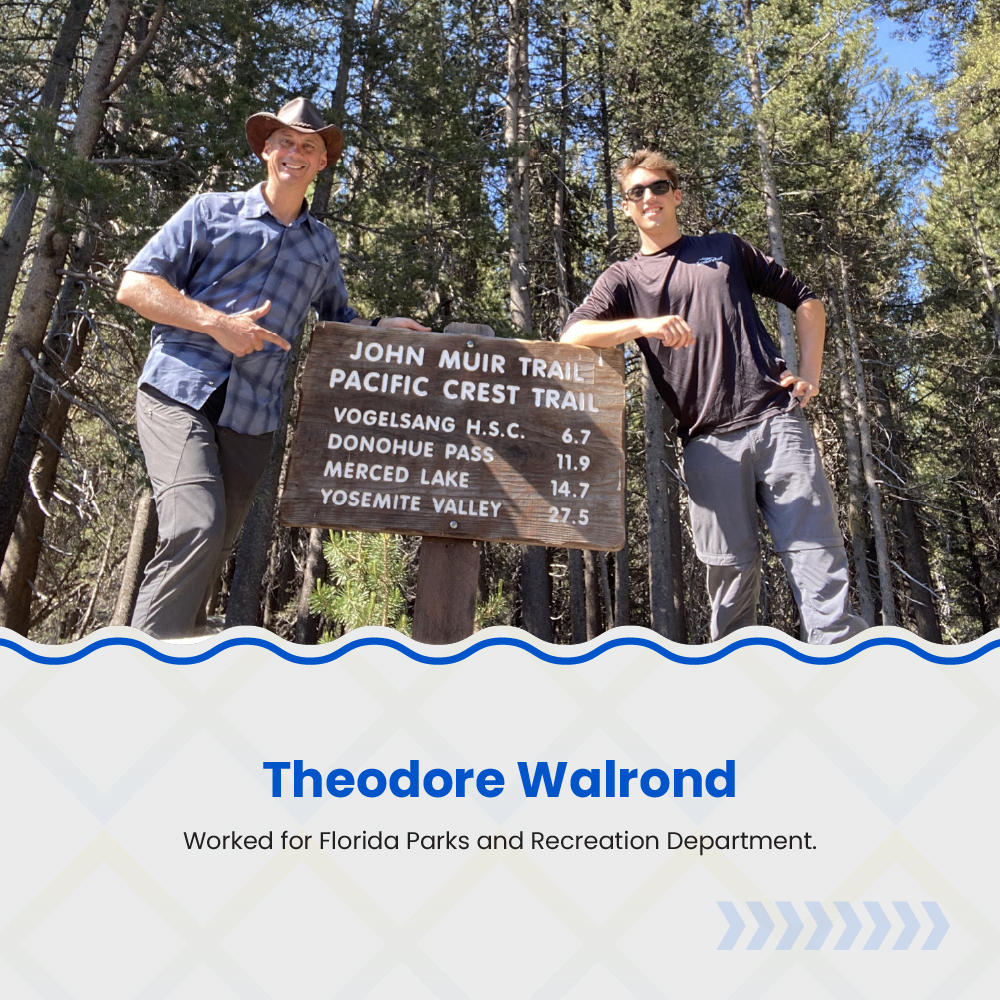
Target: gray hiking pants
<point>204,479</point>
<point>772,465</point>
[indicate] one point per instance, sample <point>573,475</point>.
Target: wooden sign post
<point>448,570</point>
<point>459,436</point>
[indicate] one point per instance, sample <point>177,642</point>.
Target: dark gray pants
<point>204,479</point>
<point>772,465</point>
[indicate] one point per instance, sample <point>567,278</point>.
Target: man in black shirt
<point>687,301</point>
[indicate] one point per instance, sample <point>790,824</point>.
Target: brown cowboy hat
<point>301,115</point>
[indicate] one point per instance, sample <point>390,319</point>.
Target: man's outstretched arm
<point>671,330</point>
<point>156,299</point>
<point>810,328</point>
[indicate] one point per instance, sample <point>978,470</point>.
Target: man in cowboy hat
<point>227,283</point>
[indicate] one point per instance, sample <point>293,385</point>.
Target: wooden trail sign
<point>459,436</point>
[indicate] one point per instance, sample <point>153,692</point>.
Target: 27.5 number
<point>582,516</point>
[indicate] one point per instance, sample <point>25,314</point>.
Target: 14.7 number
<point>562,489</point>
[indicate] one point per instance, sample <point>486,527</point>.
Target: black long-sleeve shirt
<point>728,378</point>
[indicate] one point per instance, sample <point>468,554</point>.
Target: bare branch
<point>131,161</point>
<point>139,54</point>
<point>86,407</point>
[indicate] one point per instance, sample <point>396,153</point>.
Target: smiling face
<point>293,158</point>
<point>655,216</point>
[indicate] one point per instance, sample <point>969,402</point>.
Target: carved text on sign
<point>452,435</point>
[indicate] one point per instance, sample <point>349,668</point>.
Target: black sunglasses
<point>638,192</point>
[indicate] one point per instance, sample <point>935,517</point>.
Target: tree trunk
<point>244,604</point>
<point>922,593</point>
<point>582,589</point>
<point>24,197</point>
<point>358,164</point>
<point>772,207</point>
<point>535,583</point>
<point>852,447</point>
<point>855,504</point>
<point>621,587</point>
<point>99,579</point>
<point>666,593</point>
<point>306,623</point>
<point>368,71</point>
<point>28,329</point>
<point>592,593</point>
<point>605,582</point>
<point>20,563</point>
<point>577,595</point>
<point>24,557</point>
<point>22,516</point>
<point>610,254</point>
<point>674,524</point>
<point>559,215</point>
<point>868,460</point>
<point>59,344</point>
<point>281,573</point>
<point>17,576</point>
<point>975,567</point>
<point>314,570</point>
<point>348,34</point>
<point>911,531</point>
<point>516,136</point>
<point>536,592</point>
<point>141,547</point>
<point>622,571</point>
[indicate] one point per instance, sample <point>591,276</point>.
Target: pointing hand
<point>241,334</point>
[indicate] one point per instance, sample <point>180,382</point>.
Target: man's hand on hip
<point>801,387</point>
<point>241,334</point>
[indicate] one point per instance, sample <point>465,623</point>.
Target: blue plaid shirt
<point>228,251</point>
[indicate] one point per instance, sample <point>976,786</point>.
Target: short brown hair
<point>647,159</point>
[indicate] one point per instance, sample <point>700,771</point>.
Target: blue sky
<point>906,56</point>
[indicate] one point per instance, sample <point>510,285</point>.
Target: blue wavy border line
<point>554,658</point>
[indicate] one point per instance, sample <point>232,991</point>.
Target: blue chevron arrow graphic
<point>910,926</point>
<point>823,926</point>
<point>736,927</point>
<point>795,926</point>
<point>941,926</point>
<point>764,926</point>
<point>852,926</point>
<point>882,926</point>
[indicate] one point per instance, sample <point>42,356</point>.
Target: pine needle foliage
<point>367,574</point>
<point>497,609</point>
